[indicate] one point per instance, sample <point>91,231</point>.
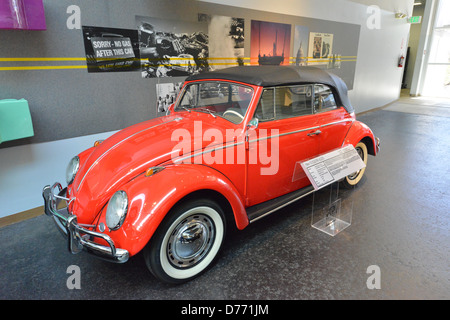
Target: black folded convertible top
<point>270,76</point>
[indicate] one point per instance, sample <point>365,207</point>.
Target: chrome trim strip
<point>337,122</point>
<point>207,151</point>
<point>115,146</point>
<point>240,143</point>
<point>285,134</point>
<point>281,206</point>
<point>259,139</point>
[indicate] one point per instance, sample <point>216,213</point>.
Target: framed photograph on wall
<point>111,49</point>
<point>172,48</point>
<point>270,43</point>
<point>320,48</point>
<point>301,36</point>
<point>166,95</point>
<point>226,40</point>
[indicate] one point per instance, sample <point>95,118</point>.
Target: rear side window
<point>323,98</point>
<point>285,102</point>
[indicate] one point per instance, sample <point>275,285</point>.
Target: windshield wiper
<point>206,110</point>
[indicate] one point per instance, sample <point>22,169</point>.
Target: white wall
<point>377,83</point>
<point>31,167</point>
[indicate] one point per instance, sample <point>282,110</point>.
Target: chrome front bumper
<point>79,237</point>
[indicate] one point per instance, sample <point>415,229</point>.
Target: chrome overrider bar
<point>79,238</point>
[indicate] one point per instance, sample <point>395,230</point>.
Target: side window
<point>265,110</point>
<point>285,102</point>
<point>295,101</point>
<point>323,98</point>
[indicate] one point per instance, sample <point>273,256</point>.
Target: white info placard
<point>332,166</point>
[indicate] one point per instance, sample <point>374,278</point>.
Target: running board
<point>261,210</point>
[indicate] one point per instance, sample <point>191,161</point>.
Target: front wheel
<point>353,179</point>
<point>187,241</point>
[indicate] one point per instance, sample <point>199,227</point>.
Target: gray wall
<point>72,102</point>
<point>69,103</point>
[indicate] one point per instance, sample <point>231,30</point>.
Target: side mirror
<point>253,123</point>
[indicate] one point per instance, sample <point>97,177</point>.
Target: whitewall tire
<point>187,241</point>
<point>353,179</point>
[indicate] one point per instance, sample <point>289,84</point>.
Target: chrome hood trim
<point>118,144</point>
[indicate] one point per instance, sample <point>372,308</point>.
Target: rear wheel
<point>187,241</point>
<point>353,179</point>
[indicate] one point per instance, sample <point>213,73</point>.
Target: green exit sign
<point>415,19</point>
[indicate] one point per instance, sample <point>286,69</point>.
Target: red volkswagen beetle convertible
<point>225,154</point>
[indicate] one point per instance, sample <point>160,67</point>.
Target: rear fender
<point>361,132</point>
<point>151,198</point>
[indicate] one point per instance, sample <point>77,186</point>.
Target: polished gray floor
<point>400,223</point>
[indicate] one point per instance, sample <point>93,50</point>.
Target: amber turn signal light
<point>151,171</point>
<point>96,143</point>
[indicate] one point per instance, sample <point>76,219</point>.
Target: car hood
<point>130,152</point>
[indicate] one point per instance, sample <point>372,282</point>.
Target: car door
<point>334,121</point>
<point>285,136</point>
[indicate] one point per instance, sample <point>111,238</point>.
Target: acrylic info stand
<point>332,209</point>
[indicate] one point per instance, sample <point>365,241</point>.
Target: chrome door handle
<point>314,133</point>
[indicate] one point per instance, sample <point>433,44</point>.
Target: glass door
<point>437,77</point>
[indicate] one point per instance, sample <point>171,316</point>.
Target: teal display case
<point>15,120</point>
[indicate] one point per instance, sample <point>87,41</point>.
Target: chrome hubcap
<point>190,241</point>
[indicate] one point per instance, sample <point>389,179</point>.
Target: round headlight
<point>72,169</point>
<point>117,210</point>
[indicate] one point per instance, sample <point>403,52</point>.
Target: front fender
<point>360,131</point>
<point>151,198</point>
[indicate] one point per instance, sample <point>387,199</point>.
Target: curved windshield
<point>224,99</point>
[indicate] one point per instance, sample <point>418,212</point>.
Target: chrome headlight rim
<point>72,169</point>
<point>115,222</point>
